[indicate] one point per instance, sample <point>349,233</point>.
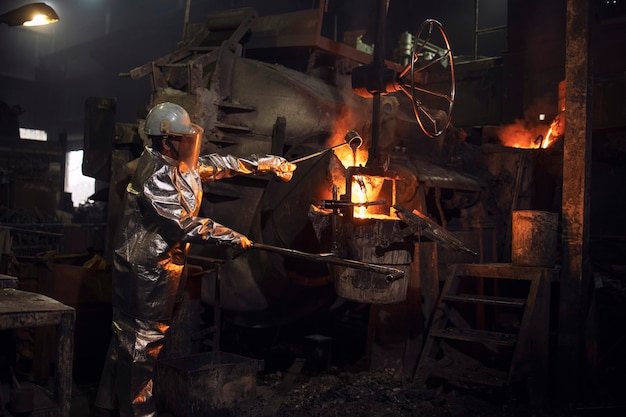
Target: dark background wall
<point>47,73</point>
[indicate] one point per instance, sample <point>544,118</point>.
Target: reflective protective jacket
<point>159,220</point>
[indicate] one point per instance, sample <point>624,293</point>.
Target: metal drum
<point>369,240</point>
<point>534,238</point>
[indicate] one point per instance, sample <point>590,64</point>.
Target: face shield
<point>187,147</point>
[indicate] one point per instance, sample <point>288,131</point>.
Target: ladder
<point>491,329</point>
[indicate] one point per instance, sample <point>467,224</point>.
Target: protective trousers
<point>128,375</point>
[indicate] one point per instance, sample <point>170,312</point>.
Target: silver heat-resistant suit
<point>159,221</point>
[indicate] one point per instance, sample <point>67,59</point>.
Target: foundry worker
<point>159,221</point>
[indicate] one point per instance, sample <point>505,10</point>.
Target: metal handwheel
<point>433,109</point>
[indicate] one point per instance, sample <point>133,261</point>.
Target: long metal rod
<point>313,155</point>
<point>352,138</point>
<point>391,274</point>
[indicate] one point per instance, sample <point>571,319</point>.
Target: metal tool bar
<point>352,138</point>
<point>418,223</point>
<point>337,204</point>
<point>313,155</point>
<point>391,274</point>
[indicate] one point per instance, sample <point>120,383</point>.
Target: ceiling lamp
<point>33,14</point>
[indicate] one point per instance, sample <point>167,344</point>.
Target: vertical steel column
<point>476,7</point>
<point>379,64</point>
<point>575,275</point>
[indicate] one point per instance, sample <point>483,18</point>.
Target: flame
<point>547,139</point>
<point>521,135</point>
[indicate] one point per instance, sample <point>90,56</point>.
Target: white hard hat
<point>169,119</point>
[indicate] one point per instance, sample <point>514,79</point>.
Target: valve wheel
<point>433,109</point>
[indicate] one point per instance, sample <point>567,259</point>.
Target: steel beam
<point>574,287</point>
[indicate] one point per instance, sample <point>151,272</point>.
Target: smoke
<point>529,132</point>
<point>522,134</point>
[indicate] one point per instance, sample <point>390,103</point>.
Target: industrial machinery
<point>341,206</point>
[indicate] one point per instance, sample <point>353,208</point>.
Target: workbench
<point>19,309</point>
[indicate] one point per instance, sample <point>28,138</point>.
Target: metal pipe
<point>391,274</point>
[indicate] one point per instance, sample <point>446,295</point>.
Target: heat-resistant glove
<point>241,240</point>
<point>278,165</point>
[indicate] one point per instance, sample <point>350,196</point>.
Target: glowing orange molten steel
<point>521,135</point>
<point>370,195</point>
<point>361,185</point>
<point>366,191</point>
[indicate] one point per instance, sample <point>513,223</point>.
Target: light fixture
<point>33,14</point>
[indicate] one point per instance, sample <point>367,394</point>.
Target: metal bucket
<point>534,238</point>
<point>364,240</point>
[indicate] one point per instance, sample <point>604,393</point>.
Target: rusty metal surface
<point>20,309</point>
<point>422,225</point>
<point>302,29</point>
<point>528,339</point>
<point>8,281</point>
<point>372,241</point>
<point>437,175</point>
<point>576,199</point>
